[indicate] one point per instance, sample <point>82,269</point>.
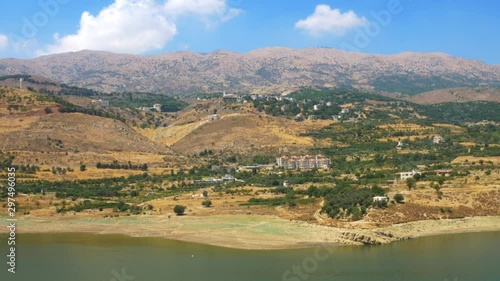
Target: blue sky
<point>464,28</point>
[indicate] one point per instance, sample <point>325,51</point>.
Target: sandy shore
<point>251,231</point>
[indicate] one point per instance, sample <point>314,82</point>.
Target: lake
<point>88,257</point>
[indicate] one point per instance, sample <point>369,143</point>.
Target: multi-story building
<point>306,162</point>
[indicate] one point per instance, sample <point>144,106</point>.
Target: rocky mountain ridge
<point>265,70</point>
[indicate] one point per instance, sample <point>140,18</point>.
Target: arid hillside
<point>250,134</point>
<point>34,128</point>
<point>237,128</point>
<point>262,70</point>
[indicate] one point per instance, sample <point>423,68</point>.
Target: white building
<point>213,117</point>
<point>157,107</point>
<point>438,139</point>
<point>407,175</point>
<point>228,178</point>
<point>304,162</point>
<point>380,199</point>
<point>101,102</point>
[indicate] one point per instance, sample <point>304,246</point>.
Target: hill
<point>38,128</point>
<point>457,95</point>
<point>260,71</point>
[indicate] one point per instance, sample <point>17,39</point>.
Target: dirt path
<point>317,214</point>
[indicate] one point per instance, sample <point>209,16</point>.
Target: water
<point>87,257</point>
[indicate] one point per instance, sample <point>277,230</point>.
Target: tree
<point>122,206</point>
<point>440,181</point>
<point>206,203</point>
<point>134,193</point>
<point>437,187</point>
<point>179,210</point>
<point>83,168</point>
<point>411,183</point>
<point>205,193</point>
<point>48,110</point>
<point>399,198</point>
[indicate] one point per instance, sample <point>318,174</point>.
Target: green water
<point>87,257</point>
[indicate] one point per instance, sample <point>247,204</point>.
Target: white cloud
<point>211,12</point>
<point>197,7</point>
<point>135,26</point>
<point>4,41</point>
<point>324,20</point>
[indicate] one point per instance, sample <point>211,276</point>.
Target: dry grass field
<point>245,132</point>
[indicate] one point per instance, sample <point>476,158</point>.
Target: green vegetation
<point>206,203</point>
<point>346,201</point>
<point>305,99</point>
<point>399,198</point>
<point>128,166</point>
<point>68,107</point>
<point>179,210</point>
<point>138,99</point>
<point>458,113</point>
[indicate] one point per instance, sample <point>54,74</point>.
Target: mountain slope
<point>457,95</point>
<point>31,122</point>
<point>262,70</point>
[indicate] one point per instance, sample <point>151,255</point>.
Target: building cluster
<point>275,97</point>
<point>303,162</point>
<point>236,98</point>
<point>100,102</point>
<point>225,179</point>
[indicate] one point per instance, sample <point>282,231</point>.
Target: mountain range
<point>267,70</point>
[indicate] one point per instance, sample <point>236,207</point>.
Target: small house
<point>407,175</point>
<point>213,117</point>
<point>438,139</point>
<point>298,118</point>
<point>228,178</point>
<point>381,199</point>
<point>444,173</point>
<point>157,107</point>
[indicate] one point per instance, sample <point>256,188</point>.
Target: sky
<point>463,28</point>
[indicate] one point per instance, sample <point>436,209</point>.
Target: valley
<point>94,162</point>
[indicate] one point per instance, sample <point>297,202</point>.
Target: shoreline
<point>253,232</point>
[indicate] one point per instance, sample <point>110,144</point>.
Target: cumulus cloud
<point>198,7</point>
<point>4,41</point>
<point>135,26</point>
<point>326,20</point>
